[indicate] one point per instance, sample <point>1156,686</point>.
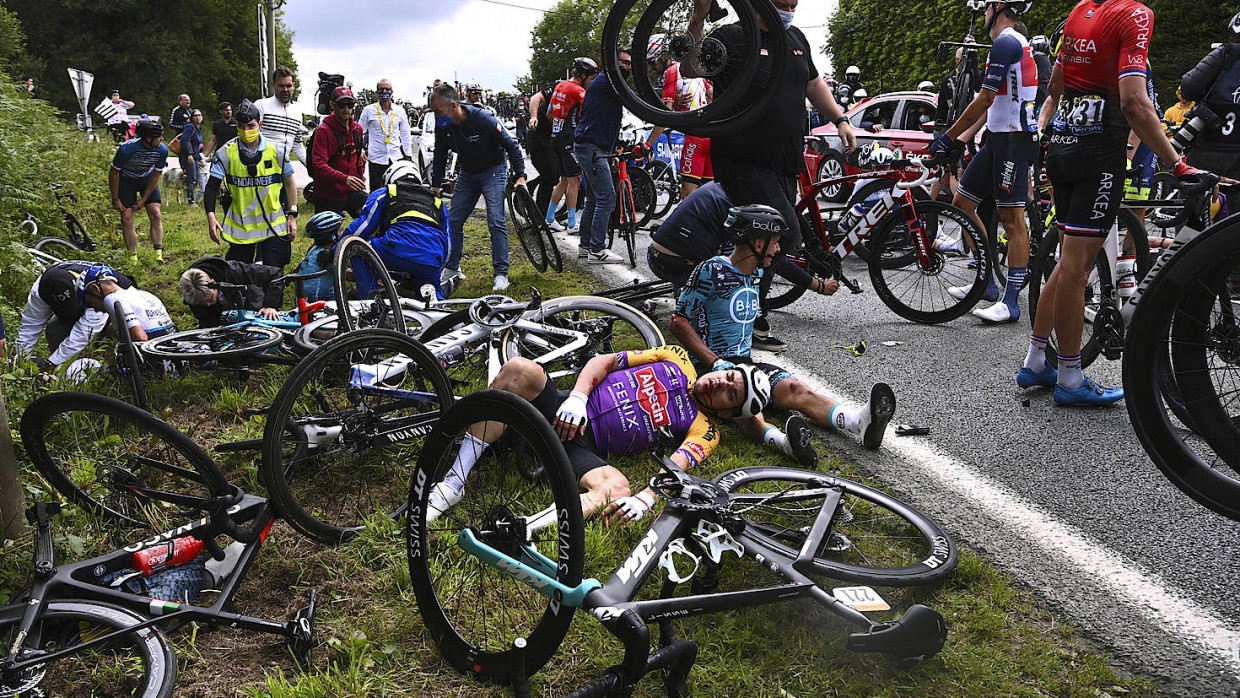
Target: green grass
<point>1002,641</point>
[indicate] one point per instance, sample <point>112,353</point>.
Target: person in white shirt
<point>281,125</point>
<point>144,315</point>
<point>116,109</point>
<point>387,134</point>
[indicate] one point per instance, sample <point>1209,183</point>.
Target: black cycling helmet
<point>247,112</point>
<point>584,66</point>
<point>1040,44</point>
<point>148,129</point>
<point>754,222</point>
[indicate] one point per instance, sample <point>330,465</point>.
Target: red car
<point>897,120</point>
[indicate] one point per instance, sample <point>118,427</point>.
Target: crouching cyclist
<point>143,314</point>
<point>323,228</point>
<point>619,404</point>
<point>714,319</point>
<point>408,226</point>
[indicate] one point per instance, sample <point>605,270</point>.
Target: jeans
<point>489,184</point>
<point>189,166</point>
<point>600,195</point>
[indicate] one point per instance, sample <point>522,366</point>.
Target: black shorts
<point>544,159</point>
<point>766,186</point>
<point>1088,185</point>
<point>565,162</point>
<point>129,188</point>
<point>1000,170</point>
<point>273,251</point>
<point>580,450</point>
<point>669,267</point>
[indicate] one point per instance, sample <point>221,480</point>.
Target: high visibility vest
<point>256,212</point>
<point>408,201</point>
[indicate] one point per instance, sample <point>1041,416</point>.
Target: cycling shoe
<point>799,437</point>
<point>881,407</point>
<point>997,314</point>
<point>1088,394</point>
<point>1046,378</point>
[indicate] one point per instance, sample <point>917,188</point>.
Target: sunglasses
<point>350,105</point>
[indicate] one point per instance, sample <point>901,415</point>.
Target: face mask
<point>443,121</point>
<point>385,95</point>
<point>625,73</point>
<point>785,17</point>
<point>249,136</point>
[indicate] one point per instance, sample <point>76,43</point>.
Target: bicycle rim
<point>357,263</point>
<point>214,343</point>
<point>667,189</point>
<point>118,461</point>
<point>523,220</point>
<point>135,663</point>
<point>345,428</point>
<point>873,538</point>
<point>472,609</point>
<point>921,293</point>
<point>644,196</point>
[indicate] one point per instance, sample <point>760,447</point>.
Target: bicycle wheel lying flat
<point>357,267</point>
<point>214,343</point>
<point>874,538</point>
<point>345,429</point>
<point>524,219</point>
<point>474,609</point>
<point>119,461</point>
<point>921,293</point>
<point>133,663</point>
<point>609,326</point>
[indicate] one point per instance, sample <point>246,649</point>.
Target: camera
<point>1200,118</point>
<point>327,83</point>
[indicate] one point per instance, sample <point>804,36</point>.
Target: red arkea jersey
<point>1103,41</point>
<point>565,107</point>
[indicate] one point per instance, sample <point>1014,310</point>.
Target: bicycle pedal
<point>301,631</point>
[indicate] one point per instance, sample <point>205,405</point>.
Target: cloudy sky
<point>414,42</point>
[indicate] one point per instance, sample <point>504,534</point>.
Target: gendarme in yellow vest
<point>256,212</point>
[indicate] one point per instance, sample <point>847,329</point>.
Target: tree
<point>572,28</point>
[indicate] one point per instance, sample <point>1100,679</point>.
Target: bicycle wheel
<point>129,363</point>
<point>524,217</point>
<point>357,262</point>
<point>474,609</point>
<point>59,248</point>
<point>229,342</point>
<point>609,327</point>
<point>344,429</point>
<point>554,259</point>
<point>921,293</point>
<point>137,662</point>
<point>645,195</point>
<point>118,461</point>
<point>872,190</point>
<point>809,257</point>
<point>666,188</point>
<point>873,538</point>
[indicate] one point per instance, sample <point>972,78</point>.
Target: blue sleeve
<point>1005,53</point>
<point>367,224</point>
<point>123,153</point>
<point>515,161</point>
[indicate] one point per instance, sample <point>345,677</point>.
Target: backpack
<point>340,146</point>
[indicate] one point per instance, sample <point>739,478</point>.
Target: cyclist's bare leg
<point>793,394</point>
<point>570,193</point>
<point>1068,280</point>
<point>156,217</point>
<point>131,237</point>
<point>867,421</point>
<point>969,206</point>
<point>602,486</point>
<point>1017,230</point>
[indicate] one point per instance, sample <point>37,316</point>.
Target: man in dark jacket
<point>207,302</point>
<point>481,144</point>
<point>1215,84</point>
<point>53,310</point>
<point>339,165</point>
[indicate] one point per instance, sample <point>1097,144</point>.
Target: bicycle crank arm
<point>851,285</point>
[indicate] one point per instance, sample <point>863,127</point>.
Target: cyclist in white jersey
<point>280,123</point>
<point>144,314</point>
<point>1001,168</point>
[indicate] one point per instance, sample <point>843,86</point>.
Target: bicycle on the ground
<point>518,544</point>
<point>97,626</point>
<point>75,241</point>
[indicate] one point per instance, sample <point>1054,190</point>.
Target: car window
<point>915,114</point>
<point>883,113</point>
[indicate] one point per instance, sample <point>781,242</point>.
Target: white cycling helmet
<point>399,170</point>
<point>657,47</point>
<point>925,86</point>
<point>757,391</point>
<point>1235,23</point>
<point>852,70</point>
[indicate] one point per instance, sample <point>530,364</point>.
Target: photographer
<point>1212,84</point>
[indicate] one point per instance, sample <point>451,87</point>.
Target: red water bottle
<point>158,558</point>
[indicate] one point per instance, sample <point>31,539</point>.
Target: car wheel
<point>832,166</point>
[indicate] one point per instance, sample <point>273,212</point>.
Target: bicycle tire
<point>118,461</point>
<point>886,542</point>
<point>58,247</point>
<point>1216,488</point>
<point>523,216</point>
<point>554,259</point>
<point>1041,270</point>
<point>597,317</point>
<point>385,309</point>
<point>667,189</point>
<point>316,333</point>
<point>894,265</point>
<point>77,233</point>
<point>808,256</point>
<point>214,343</point>
<point>344,427</point>
<point>644,195</point>
<point>460,597</point>
<point>628,228</point>
<point>129,361</point>
<point>140,663</point>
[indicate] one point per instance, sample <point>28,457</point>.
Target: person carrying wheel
<point>714,321</point>
<point>409,228</point>
<point>199,289</point>
<point>760,166</point>
<point>1000,170</point>
<point>1097,92</point>
<point>620,404</point>
<point>134,182</point>
<point>54,310</point>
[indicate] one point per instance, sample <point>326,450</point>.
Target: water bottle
<point>158,558</point>
<point>849,219</point>
<point>1126,276</point>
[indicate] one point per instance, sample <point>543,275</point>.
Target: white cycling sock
<point>471,449</point>
<point>777,440</point>
<point>1035,360</point>
<point>851,421</point>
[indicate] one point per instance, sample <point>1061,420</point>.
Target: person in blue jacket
<point>408,225</point>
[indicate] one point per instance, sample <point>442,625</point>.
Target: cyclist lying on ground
<point>620,404</point>
<point>53,308</point>
<point>714,319</point>
<point>207,303</point>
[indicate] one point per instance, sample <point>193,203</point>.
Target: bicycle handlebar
<point>925,174</point>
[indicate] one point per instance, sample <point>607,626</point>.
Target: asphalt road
<point>1064,499</point>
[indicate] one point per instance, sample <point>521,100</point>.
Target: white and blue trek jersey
<point>1012,75</point>
<point>721,302</point>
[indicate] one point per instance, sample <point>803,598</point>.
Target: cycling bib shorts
<point>1088,190</point>
<point>581,453</point>
<point>566,164</point>
<point>1001,170</point>
<point>1142,167</point>
<point>695,160</point>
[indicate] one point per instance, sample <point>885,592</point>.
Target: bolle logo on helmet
<point>773,226</point>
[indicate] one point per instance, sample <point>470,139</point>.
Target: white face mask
<point>785,17</point>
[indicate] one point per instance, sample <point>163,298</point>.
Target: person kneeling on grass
<point>714,319</point>
<point>619,404</point>
<point>208,302</point>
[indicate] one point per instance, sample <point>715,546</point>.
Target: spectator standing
<point>522,119</point>
<point>281,125</point>
<point>28,86</point>
<point>1177,113</point>
<point>180,115</point>
<point>387,133</point>
<point>565,110</point>
<point>339,165</point>
<point>1215,83</point>
<point>116,108</point>
<point>223,130</point>
<point>594,140</point>
<point>191,153</point>
<point>481,144</point>
<point>261,221</point>
<point>1041,48</point>
<point>134,183</point>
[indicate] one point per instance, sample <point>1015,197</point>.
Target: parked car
<point>897,120</point>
